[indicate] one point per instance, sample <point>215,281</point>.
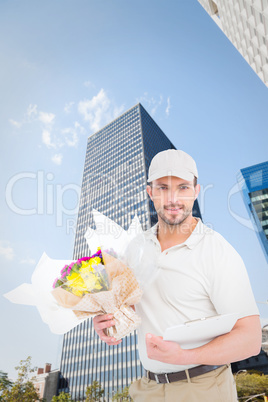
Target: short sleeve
<point>230,288</point>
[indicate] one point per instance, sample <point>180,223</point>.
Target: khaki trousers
<point>216,386</point>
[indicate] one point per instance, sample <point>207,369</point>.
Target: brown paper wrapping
<point>124,292</point>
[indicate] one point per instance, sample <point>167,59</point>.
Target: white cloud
<point>16,124</point>
<point>79,127</point>
<point>117,111</point>
<point>28,261</point>
<point>168,106</point>
<point>46,118</point>
<point>28,117</point>
<point>32,115</point>
<point>68,106</point>
<point>70,136</point>
<point>46,139</point>
<point>154,103</point>
<point>57,159</point>
<point>93,110</point>
<point>6,251</point>
<point>31,111</point>
<point>99,110</point>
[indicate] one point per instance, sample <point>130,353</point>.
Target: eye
<point>184,187</point>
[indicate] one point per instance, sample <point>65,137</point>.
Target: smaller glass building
<point>253,182</point>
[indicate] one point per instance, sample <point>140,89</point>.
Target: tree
<point>5,383</point>
<point>23,389</point>
<point>94,392</point>
<point>62,397</point>
<point>122,396</point>
<point>248,384</point>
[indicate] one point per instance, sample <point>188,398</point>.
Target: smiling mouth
<point>177,209</point>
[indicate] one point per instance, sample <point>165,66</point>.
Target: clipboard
<point>193,334</point>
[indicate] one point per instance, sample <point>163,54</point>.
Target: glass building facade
<point>114,183</point>
<point>253,182</point>
<point>245,23</point>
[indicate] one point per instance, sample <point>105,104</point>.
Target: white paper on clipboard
<point>193,334</point>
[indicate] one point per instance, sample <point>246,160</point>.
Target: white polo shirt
<point>201,277</point>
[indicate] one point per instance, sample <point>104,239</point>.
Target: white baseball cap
<point>172,162</point>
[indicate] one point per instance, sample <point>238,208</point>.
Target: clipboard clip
<point>200,319</point>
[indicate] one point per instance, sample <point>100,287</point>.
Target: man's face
<point>173,198</point>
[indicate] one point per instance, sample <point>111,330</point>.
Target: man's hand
<point>242,342</point>
<point>164,351</point>
<point>101,322</point>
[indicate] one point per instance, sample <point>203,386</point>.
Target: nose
<point>173,196</point>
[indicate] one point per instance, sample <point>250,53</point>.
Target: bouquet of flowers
<point>106,282</point>
<point>100,284</point>
<point>86,275</point>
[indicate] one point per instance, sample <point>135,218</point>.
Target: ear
<point>149,191</point>
<point>197,191</point>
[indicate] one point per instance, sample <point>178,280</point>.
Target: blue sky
<point>67,69</point>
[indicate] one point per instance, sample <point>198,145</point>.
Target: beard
<point>174,220</point>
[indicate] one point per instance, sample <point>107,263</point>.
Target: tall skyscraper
<point>253,182</point>
<point>245,23</point>
<point>114,183</point>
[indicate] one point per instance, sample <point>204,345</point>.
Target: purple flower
<point>97,254</point>
<point>98,268</point>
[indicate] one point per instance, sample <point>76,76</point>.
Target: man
<point>200,275</point>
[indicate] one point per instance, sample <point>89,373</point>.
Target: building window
<point>214,8</point>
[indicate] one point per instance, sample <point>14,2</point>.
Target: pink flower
<point>54,283</point>
<point>97,254</point>
<point>83,259</point>
<point>70,268</point>
<point>65,267</point>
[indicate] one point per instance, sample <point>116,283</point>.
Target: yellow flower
<point>86,280</point>
<point>86,266</point>
<point>95,261</point>
<point>76,292</point>
<point>90,281</point>
<point>76,283</point>
<point>86,269</point>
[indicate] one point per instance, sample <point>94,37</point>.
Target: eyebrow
<point>181,184</point>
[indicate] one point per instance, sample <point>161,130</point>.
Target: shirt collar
<point>195,237</point>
